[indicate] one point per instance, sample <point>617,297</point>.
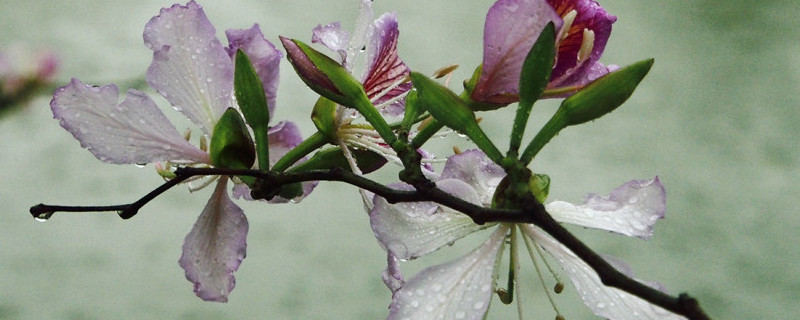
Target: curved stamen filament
<point>531,246</point>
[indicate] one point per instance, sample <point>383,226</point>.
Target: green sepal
<point>252,101</point>
<point>231,146</point>
<point>604,94</point>
<point>540,186</point>
<point>324,117</point>
<point>533,79</point>
<point>413,109</point>
<point>366,160</point>
<point>447,108</point>
<point>330,158</point>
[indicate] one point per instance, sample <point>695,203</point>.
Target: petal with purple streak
<point>263,55</point>
<point>384,67</point>
<point>215,247</point>
<point>512,27</point>
<point>190,68</point>
<point>631,210</point>
<point>132,131</point>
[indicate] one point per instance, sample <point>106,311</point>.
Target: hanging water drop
<point>44,216</point>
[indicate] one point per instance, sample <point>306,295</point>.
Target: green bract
<point>253,103</point>
<point>231,146</point>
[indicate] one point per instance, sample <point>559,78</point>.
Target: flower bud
<point>324,75</point>
<point>604,94</point>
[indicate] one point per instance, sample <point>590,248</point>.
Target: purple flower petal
<point>133,131</point>
<point>474,168</point>
<point>215,247</point>
<point>589,16</point>
<point>512,27</point>
<point>606,302</point>
<point>631,210</point>
<point>190,68</point>
<point>384,65</point>
<point>333,37</point>
<point>392,277</point>
<point>263,55</point>
<point>460,289</point>
<point>410,230</point>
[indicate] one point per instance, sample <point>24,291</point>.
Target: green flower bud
<point>604,94</point>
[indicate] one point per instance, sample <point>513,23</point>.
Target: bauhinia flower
<point>512,26</point>
<point>194,72</point>
<point>463,288</point>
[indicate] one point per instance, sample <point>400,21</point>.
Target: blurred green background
<point>716,120</point>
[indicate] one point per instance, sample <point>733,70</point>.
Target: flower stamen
<point>531,246</point>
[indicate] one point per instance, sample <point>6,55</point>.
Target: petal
<point>512,27</point>
<point>632,209</point>
<point>190,68</point>
<point>606,302</point>
<point>333,37</point>
<point>263,55</point>
<point>392,277</point>
<point>474,168</point>
<point>384,66</point>
<point>133,131</point>
<point>460,289</point>
<point>589,16</point>
<point>410,230</point>
<point>215,247</point>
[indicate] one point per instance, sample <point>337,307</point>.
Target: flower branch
<point>533,212</point>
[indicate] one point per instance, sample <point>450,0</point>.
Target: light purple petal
<point>392,276</point>
<point>460,289</point>
<point>474,168</point>
<point>215,247</point>
<point>410,230</point>
<point>263,55</point>
<point>512,27</point>
<point>589,16</point>
<point>333,37</point>
<point>190,68</point>
<point>132,131</point>
<point>606,302</point>
<point>632,209</point>
<point>384,67</point>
